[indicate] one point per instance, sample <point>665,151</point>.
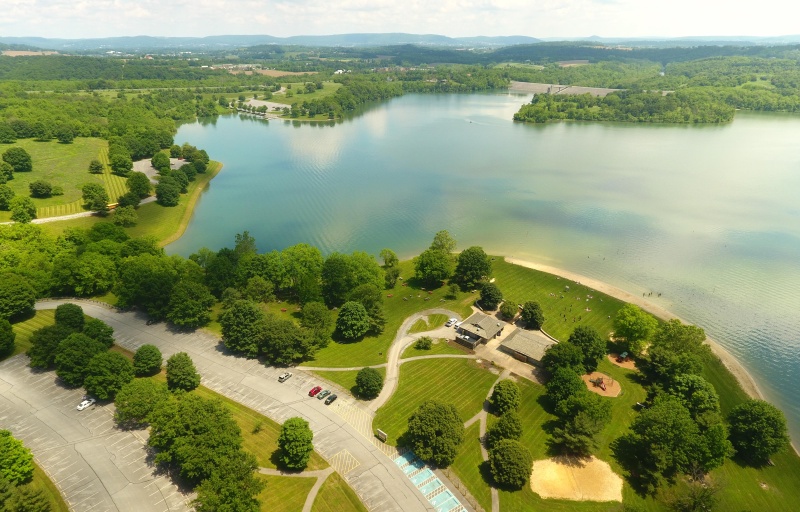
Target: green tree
<point>137,399</point>
<point>17,296</point>
<point>65,134</point>
<point>432,267</point>
<point>510,463</point>
<point>106,373</point>
<point>473,266</point>
<point>423,343</point>
<point>634,326</point>
<point>532,315</point>
<point>71,316</point>
<point>95,197</point>
<point>318,319</point>
<point>353,321</point>
<point>168,191</point>
<point>181,373</point>
<point>146,280</point>
<point>284,342</point>
<point>508,426</point>
<point>243,327</point>
<point>121,164</point>
<point>27,499</point>
<point>371,297</point>
<point>147,360</point>
<point>6,195</point>
<point>259,289</point>
<point>96,167</point>
<point>128,199</point>
<point>22,209</point>
<point>508,310</point>
<point>44,343</point>
<point>100,331</point>
<point>6,172</point>
<point>369,383</point>
<point>138,183</point>
<point>160,162</point>
<point>443,241</point>
<point>591,344</point>
<point>296,443</point>
<point>491,296</point>
<point>7,337</point>
<point>390,277</point>
<point>18,159</point>
<point>73,356</point>
<point>175,151</point>
<point>181,179</point>
<point>563,384</point>
<point>435,431</point>
<point>389,258</point>
<point>40,188</point>
<point>757,430</point>
<point>696,394</point>
<point>190,304</point>
<point>505,397</point>
<point>125,216</point>
<point>7,134</point>
<point>16,461</point>
<point>232,486</point>
<point>583,416</point>
<point>563,355</point>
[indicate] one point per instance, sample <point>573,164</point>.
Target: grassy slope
<point>336,496</point>
<point>328,89</point>
<point>347,379</point>
<point>284,493</point>
<point>25,328</point>
<point>43,483</point>
<point>458,381</point>
<point>372,349</point>
<point>438,347</point>
<point>469,464</point>
<point>434,322</point>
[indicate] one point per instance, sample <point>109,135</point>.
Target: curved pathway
<point>377,480</point>
<point>321,475</point>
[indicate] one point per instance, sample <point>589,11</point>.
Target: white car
<point>458,324</point>
<point>451,322</point>
<point>86,403</point>
<point>284,377</point>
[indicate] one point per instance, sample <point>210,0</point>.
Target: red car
<point>314,390</point>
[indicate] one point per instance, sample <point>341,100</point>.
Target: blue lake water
<point>709,216</point>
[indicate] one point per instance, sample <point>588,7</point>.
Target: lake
<point>708,216</point>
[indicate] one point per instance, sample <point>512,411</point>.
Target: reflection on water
<point>708,216</point>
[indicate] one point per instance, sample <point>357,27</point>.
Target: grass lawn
<point>284,493</point>
<point>65,165</point>
<point>461,382</point>
<point>115,185</point>
<point>25,328</point>
<point>166,224</point>
<point>439,346</point>
<point>328,89</point>
<point>43,483</point>
<point>347,379</point>
<point>468,466</point>
<point>520,284</point>
<point>336,496</point>
<point>435,321</point>
<point>372,349</point>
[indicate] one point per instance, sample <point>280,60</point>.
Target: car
<point>451,322</point>
<point>323,394</point>
<point>284,376</point>
<point>86,402</point>
<point>330,399</point>
<point>314,390</point>
<point>458,324</point>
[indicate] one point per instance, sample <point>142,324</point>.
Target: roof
<point>529,343</point>
<point>482,325</point>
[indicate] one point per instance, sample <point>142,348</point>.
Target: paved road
<point>376,479</point>
<point>95,465</point>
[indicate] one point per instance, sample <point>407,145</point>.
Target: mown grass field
<point>336,496</point>
<point>25,328</point>
<point>43,483</point>
<point>346,379</point>
<point>328,89</point>
<point>372,349</point>
<point>438,347</point>
<point>461,382</point>
<point>469,465</point>
<point>64,165</point>
<point>562,315</point>
<point>115,185</point>
<point>434,321</point>
<point>284,493</point>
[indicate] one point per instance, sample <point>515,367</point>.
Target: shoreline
<point>743,377</point>
<point>187,214</point>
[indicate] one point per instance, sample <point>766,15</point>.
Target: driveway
<point>376,479</point>
<point>93,464</point>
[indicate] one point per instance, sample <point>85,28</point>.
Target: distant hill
<point>149,43</point>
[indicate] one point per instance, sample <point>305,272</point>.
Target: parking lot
<point>95,465</point>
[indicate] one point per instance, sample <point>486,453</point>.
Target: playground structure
<point>598,383</point>
<point>623,358</point>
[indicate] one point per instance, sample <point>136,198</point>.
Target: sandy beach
<point>731,363</point>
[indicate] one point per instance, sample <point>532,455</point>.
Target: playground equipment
<point>598,383</point>
<point>623,357</point>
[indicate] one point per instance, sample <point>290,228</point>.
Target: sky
<point>536,18</point>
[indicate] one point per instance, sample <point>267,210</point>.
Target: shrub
<point>505,397</point>
<point>40,188</point>
<point>423,343</point>
<point>510,463</point>
<point>147,361</point>
<point>369,383</point>
<point>96,167</point>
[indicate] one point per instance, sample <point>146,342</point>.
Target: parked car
<point>458,324</point>
<point>451,322</point>
<point>323,394</point>
<point>86,402</point>
<point>284,376</point>
<point>330,399</point>
<point>314,390</point>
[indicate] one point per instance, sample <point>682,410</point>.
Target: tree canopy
<point>757,430</point>
<point>70,315</point>
<point>106,373</point>
<point>369,383</point>
<point>353,321</point>
<point>16,461</point>
<point>433,266</point>
<point>435,432</point>
<point>19,159</point>
<point>510,463</point>
<point>505,397</point>
<point>137,399</point>
<point>473,266</point>
<point>181,373</point>
<point>243,325</point>
<point>7,338</point>
<point>634,326</point>
<point>491,296</point>
<point>190,304</point>
<point>73,355</point>
<point>17,296</point>
<point>591,344</point>
<point>296,443</point>
<point>532,315</point>
<point>147,360</point>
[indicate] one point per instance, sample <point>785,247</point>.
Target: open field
<point>25,328</point>
<point>372,349</point>
<point>284,493</point>
<point>115,185</point>
<point>520,284</point>
<point>273,72</point>
<point>438,347</point>
<point>336,496</point>
<point>346,379</point>
<point>64,165</point>
<point>572,90</point>
<point>433,322</point>
<point>469,467</point>
<point>461,382</point>
<point>328,89</point>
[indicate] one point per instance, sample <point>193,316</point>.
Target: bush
<point>532,315</point>
<point>181,373</point>
<point>491,296</point>
<point>369,383</point>
<point>296,443</point>
<point>510,463</point>
<point>40,188</point>
<point>71,316</point>
<point>423,343</point>
<point>505,397</point>
<point>147,361</point>
<point>96,167</point>
<point>508,310</point>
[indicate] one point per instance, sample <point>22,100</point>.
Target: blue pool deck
<point>444,501</point>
